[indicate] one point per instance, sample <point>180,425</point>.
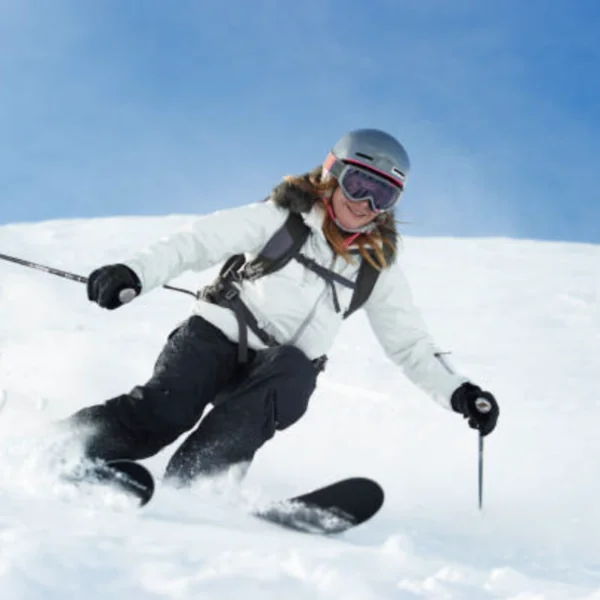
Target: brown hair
<point>372,245</point>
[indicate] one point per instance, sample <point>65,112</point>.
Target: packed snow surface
<point>521,318</point>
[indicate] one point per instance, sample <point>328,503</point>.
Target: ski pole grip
<point>483,405</point>
<point>127,295</point>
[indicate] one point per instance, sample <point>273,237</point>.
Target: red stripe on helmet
<point>394,180</point>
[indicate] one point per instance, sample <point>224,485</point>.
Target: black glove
<point>112,286</point>
<point>481,415</point>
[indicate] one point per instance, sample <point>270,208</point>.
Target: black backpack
<point>284,245</point>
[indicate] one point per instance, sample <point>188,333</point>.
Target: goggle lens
<point>359,185</point>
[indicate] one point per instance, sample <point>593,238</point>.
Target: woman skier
<point>322,245</point>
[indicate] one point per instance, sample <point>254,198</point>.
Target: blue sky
<point>129,107</point>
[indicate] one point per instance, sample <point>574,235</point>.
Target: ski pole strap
<point>182,290</point>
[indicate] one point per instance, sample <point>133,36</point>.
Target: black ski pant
<point>198,366</point>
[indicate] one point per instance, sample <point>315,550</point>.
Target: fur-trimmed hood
<point>299,199</point>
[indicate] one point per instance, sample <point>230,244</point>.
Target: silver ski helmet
<point>372,149</point>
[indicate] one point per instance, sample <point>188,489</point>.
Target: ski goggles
<point>359,185</point>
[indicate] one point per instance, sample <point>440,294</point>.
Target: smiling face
<point>351,215</point>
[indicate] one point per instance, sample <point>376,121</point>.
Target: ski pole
<point>78,278</point>
<point>483,406</point>
<point>480,471</point>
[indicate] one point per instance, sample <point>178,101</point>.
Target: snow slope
<point>521,317</point>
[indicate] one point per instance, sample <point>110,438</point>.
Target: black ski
<point>333,508</point>
<point>330,509</point>
<point>126,476</point>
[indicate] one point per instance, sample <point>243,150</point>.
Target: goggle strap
<point>333,165</point>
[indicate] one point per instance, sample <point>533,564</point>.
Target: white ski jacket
<point>294,304</point>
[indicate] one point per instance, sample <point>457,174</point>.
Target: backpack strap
<point>331,277</point>
<point>365,282</point>
<point>284,244</point>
